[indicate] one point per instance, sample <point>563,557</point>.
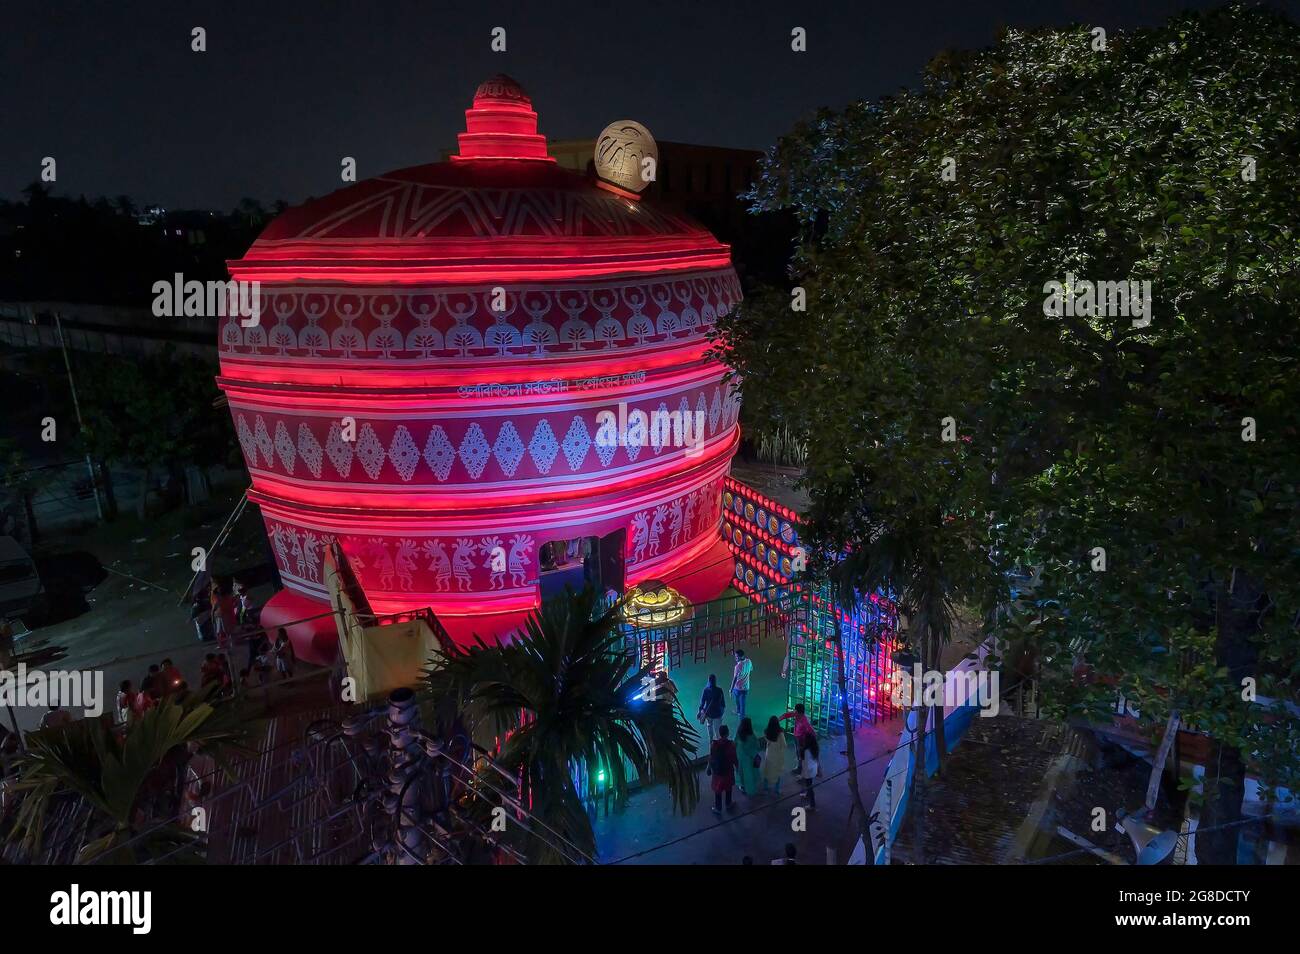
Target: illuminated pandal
<point>437,356</point>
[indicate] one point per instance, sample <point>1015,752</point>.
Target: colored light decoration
<point>653,604</point>
<point>438,354</point>
<point>866,632</point>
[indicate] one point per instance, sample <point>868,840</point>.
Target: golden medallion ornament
<point>653,604</point>
<point>626,155</point>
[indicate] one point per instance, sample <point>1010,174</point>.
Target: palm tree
<point>927,566</point>
<point>128,784</point>
<point>563,694</point>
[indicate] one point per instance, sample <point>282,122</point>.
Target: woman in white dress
<point>774,756</point>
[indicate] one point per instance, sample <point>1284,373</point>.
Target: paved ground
<point>761,826</point>
<point>767,690</point>
<point>133,617</point>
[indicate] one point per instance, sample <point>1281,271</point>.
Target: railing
<point>720,625</point>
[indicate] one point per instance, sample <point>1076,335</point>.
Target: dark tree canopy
<point>154,411</point>
<point>57,248</point>
<point>1170,156</point>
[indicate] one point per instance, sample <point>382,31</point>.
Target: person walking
<point>201,615</point>
<point>804,733</point>
<point>258,644</point>
<point>243,604</point>
<point>210,671</point>
<point>722,766</point>
<point>740,682</point>
<point>149,695</point>
<point>169,678</point>
<point>264,658</point>
<point>150,682</point>
<point>227,677</point>
<point>713,703</point>
<point>216,610</point>
<point>750,756</point>
<point>125,703</point>
<point>774,758</point>
<point>809,768</point>
<point>284,657</point>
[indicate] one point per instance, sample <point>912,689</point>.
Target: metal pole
<point>402,800</point>
<point>76,404</point>
<point>889,814</point>
<point>231,519</point>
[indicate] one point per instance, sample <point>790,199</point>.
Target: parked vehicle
<point>20,583</point>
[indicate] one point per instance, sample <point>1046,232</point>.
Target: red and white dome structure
<point>425,386</point>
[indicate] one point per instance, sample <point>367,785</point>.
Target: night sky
<point>285,90</point>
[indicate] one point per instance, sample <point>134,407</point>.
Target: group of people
<point>230,617</point>
<point>165,679</point>
<point>558,554</point>
<point>218,615</point>
<point>265,656</point>
<point>160,681</point>
<point>756,762</point>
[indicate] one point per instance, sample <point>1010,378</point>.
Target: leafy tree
<point>18,485</point>
<point>932,222</point>
<point>129,782</point>
<point>565,691</point>
<point>153,411</point>
<point>251,212</point>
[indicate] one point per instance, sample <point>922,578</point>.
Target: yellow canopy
<point>379,658</point>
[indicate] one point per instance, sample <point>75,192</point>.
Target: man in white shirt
<point>740,682</point>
